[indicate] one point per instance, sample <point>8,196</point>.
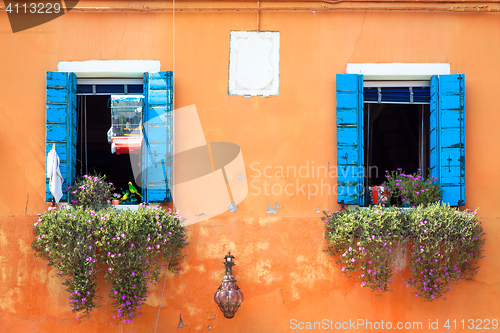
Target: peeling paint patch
<point>317,211</point>
<point>232,207</point>
<point>273,211</point>
<point>262,246</point>
<point>240,176</point>
<point>180,321</point>
<point>264,273</point>
<point>23,247</point>
<point>3,239</point>
<point>200,268</point>
<point>193,311</point>
<point>7,300</point>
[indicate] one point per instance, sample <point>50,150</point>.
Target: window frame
<point>447,106</point>
<point>61,125</point>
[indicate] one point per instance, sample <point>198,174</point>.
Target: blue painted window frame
<point>61,124</point>
<point>447,137</point>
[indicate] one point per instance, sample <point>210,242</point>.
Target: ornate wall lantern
<point>228,297</point>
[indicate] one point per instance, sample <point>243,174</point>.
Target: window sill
<point>367,207</point>
<point>65,205</point>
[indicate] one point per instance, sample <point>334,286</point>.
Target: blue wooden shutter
<point>61,125</point>
<point>157,175</point>
<point>447,136</point>
<point>350,151</point>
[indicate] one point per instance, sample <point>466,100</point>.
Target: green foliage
<point>445,245</point>
<point>132,246</point>
<point>412,189</point>
<point>365,239</point>
<point>91,192</point>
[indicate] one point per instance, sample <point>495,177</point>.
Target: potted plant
<point>116,198</point>
<point>412,189</point>
<point>91,191</point>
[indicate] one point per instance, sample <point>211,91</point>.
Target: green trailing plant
<point>91,191</point>
<point>365,241</point>
<point>412,189</point>
<point>445,245</point>
<point>132,246</point>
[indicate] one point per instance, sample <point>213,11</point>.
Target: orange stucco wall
<point>281,267</point>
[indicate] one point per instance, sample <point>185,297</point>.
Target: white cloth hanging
<point>54,174</point>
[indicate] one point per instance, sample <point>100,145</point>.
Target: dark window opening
<point>396,136</point>
<point>93,153</point>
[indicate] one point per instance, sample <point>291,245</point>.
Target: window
<point>109,137</point>
<point>440,146</point>
<point>63,125</point>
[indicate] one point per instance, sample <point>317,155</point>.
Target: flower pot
<point>115,202</point>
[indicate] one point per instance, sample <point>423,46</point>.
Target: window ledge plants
<point>445,246</point>
<point>445,243</point>
<point>131,246</point>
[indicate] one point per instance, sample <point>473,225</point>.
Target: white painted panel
<point>254,63</point>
